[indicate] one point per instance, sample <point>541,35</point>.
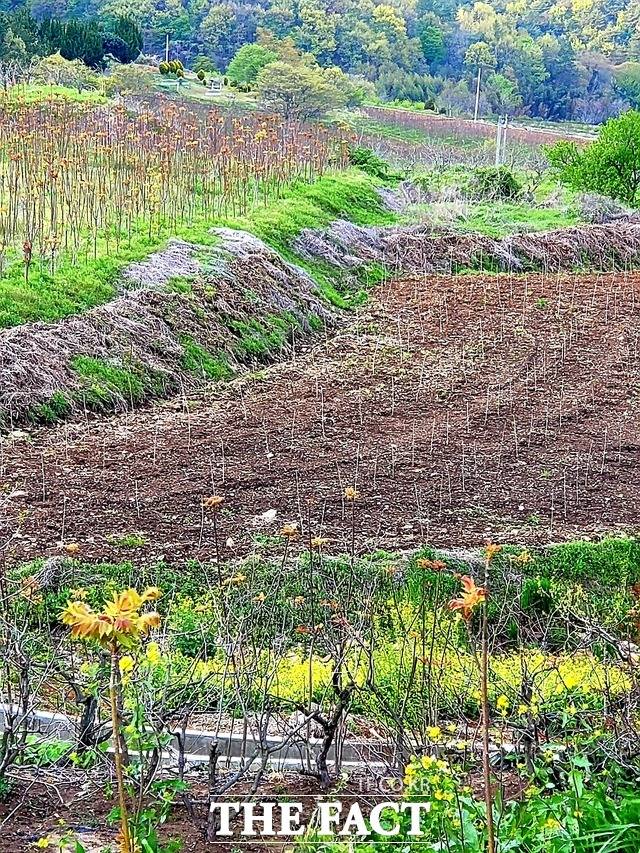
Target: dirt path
<point>462,408</point>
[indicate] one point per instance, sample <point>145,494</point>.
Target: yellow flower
<point>126,664</point>
<point>153,654</point>
<point>350,493</point>
<point>491,550</point>
<point>522,559</point>
<point>79,594</point>
<point>434,732</point>
<point>119,622</point>
<point>471,597</point>
<point>551,823</point>
<point>43,843</point>
<point>502,704</point>
<point>447,796</point>
<point>236,579</point>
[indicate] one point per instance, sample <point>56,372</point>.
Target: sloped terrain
<point>461,408</point>
<point>185,314</point>
<point>423,248</point>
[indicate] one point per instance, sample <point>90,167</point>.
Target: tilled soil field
<point>462,409</point>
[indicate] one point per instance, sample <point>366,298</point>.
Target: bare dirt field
<point>462,409</point>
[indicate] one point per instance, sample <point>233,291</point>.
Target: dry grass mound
<point>235,302</point>
<point>424,249</point>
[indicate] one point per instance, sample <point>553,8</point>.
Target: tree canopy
<point>610,165</point>
<point>546,58</point>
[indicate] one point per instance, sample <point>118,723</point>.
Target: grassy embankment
<point>543,605</point>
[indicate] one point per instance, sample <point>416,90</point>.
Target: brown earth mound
<point>235,284</point>
<point>413,249</point>
<point>465,408</point>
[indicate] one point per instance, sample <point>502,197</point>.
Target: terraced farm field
<point>318,480</point>
<point>461,408</point>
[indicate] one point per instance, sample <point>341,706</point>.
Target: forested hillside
<point>550,58</point>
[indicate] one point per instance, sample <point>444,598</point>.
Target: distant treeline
<point>556,59</point>
<point>93,40</point>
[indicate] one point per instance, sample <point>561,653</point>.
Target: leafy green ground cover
<point>32,93</point>
<point>536,652</point>
<point>90,279</point>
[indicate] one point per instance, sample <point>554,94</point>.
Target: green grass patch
<point>347,195</point>
<point>500,219</point>
<point>57,407</point>
<point>200,361</point>
<point>32,93</point>
<point>128,540</point>
<point>258,339</point>
<point>104,381</point>
<point>89,277</point>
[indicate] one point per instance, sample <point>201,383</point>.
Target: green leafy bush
<point>495,183</point>
<point>369,162</point>
<point>610,165</point>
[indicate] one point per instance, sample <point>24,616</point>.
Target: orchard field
<point>318,480</point>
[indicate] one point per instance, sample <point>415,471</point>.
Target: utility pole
<point>498,141</point>
<point>166,49</point>
<point>501,139</point>
<point>477,106</point>
<point>504,138</point>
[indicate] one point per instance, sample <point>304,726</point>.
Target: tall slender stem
<point>484,692</point>
<point>127,846</point>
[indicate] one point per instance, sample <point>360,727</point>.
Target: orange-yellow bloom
<point>119,622</point>
<point>491,550</point>
<point>431,565</point>
<point>471,597</point>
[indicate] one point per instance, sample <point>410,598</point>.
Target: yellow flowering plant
<point>120,626</point>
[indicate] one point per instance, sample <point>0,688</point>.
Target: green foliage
<point>367,161</point>
<point>406,87</point>
<point>610,165</point>
<point>586,816</point>
<point>6,789</point>
<point>127,31</point>
<point>496,183</point>
<point>346,195</point>
<point>202,63</point>
<point>432,43</point>
<point>54,409</point>
<point>627,78</point>
<point>203,363</point>
<point>499,219</point>
<point>104,381</point>
<point>258,339</point>
<point>33,93</point>
<point>146,824</point>
<point>248,62</point>
<point>74,40</point>
<point>297,91</point>
<point>129,540</point>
